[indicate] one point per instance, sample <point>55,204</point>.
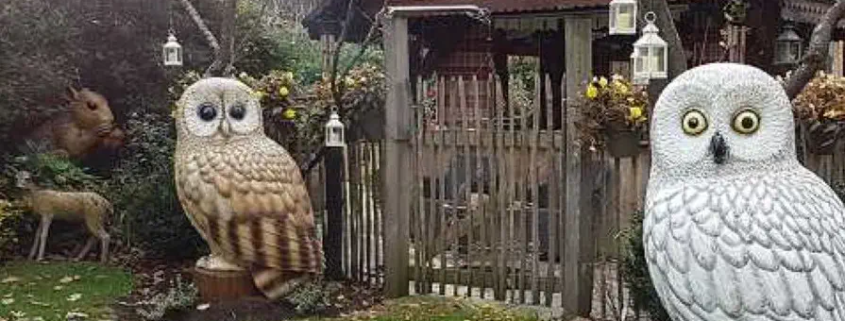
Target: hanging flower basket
<point>821,136</point>
<point>615,116</point>
<point>622,143</point>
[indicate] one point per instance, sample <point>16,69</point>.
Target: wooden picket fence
<point>490,211</point>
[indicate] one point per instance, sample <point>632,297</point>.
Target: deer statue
<point>89,207</point>
<point>87,124</point>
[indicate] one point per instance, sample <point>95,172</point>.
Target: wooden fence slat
<point>453,195</point>
<point>504,187</point>
<point>440,175</point>
<point>551,190</point>
<point>486,208</point>
<point>469,212</point>
<point>535,191</point>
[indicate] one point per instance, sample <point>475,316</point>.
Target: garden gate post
<point>578,271</point>
<point>398,166</point>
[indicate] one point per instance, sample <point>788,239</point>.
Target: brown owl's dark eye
<point>237,111</point>
<point>207,112</point>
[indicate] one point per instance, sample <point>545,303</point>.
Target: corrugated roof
<point>514,6</point>
<point>506,6</point>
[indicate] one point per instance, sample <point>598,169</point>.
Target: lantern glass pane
<point>625,16</point>
<point>659,58</point>
<point>795,51</point>
<point>644,65</point>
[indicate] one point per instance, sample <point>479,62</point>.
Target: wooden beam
<point>577,276</point>
<point>398,158</point>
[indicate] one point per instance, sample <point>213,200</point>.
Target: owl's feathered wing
<point>248,200</point>
<point>768,247</point>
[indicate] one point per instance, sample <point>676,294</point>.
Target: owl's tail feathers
<point>275,284</point>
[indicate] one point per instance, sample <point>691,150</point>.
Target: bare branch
<point>817,51</point>
<point>209,37</point>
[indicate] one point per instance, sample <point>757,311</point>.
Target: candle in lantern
<point>625,20</point>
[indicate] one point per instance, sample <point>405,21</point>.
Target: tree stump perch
<point>216,286</point>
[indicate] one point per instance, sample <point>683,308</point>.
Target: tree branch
<point>817,51</point>
<point>337,93</point>
<point>209,37</point>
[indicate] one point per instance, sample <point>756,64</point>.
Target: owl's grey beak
<point>719,148</point>
<point>225,128</point>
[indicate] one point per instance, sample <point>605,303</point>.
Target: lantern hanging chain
<point>170,30</point>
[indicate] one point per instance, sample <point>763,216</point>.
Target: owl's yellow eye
<point>694,122</point>
<point>746,122</point>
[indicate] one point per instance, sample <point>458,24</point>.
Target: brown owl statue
<point>243,191</point>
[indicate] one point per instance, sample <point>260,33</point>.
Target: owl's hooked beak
<point>225,129</point>
<point>719,149</point>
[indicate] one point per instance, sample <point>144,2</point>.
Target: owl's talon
<point>216,263</point>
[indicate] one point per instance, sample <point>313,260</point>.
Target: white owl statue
<point>735,227</point>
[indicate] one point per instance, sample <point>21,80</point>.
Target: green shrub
<point>143,191</point>
<point>11,218</point>
<point>635,271</point>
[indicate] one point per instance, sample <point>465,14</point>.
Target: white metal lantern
<point>651,53</point>
<point>334,132</point>
<point>172,51</point>
<point>788,47</point>
<point>623,17</point>
<point>636,63</point>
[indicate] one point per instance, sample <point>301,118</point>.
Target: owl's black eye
<point>237,111</point>
<point>207,112</point>
<point>746,122</point>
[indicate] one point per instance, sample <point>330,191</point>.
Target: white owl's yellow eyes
<point>694,123</point>
<point>746,122</point>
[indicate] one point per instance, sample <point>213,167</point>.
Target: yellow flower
<point>289,113</point>
<point>283,91</point>
<point>592,91</point>
<point>288,76</point>
<point>603,82</point>
<point>259,94</point>
<point>635,113</point>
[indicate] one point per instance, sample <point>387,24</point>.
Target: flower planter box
<point>622,143</point>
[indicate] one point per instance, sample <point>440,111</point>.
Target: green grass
<point>439,309</point>
<point>50,290</point>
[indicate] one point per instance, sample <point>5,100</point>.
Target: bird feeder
<point>788,47</point>
<point>651,53</point>
<point>623,17</point>
<point>334,132</point>
<point>172,51</point>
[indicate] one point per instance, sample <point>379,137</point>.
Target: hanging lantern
<point>637,64</point>
<point>788,47</point>
<point>623,17</point>
<point>334,132</point>
<point>651,53</point>
<point>172,51</point>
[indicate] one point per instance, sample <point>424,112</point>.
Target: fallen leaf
<point>76,277</point>
<point>11,279</point>
<point>203,307</point>
<point>58,288</point>
<point>7,301</point>
<point>8,295</point>
<point>41,304</point>
<point>74,297</point>
<point>66,280</point>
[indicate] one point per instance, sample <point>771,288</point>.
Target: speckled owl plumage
<point>241,190</point>
<point>754,237</point>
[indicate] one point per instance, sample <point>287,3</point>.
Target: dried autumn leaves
<point>823,99</point>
